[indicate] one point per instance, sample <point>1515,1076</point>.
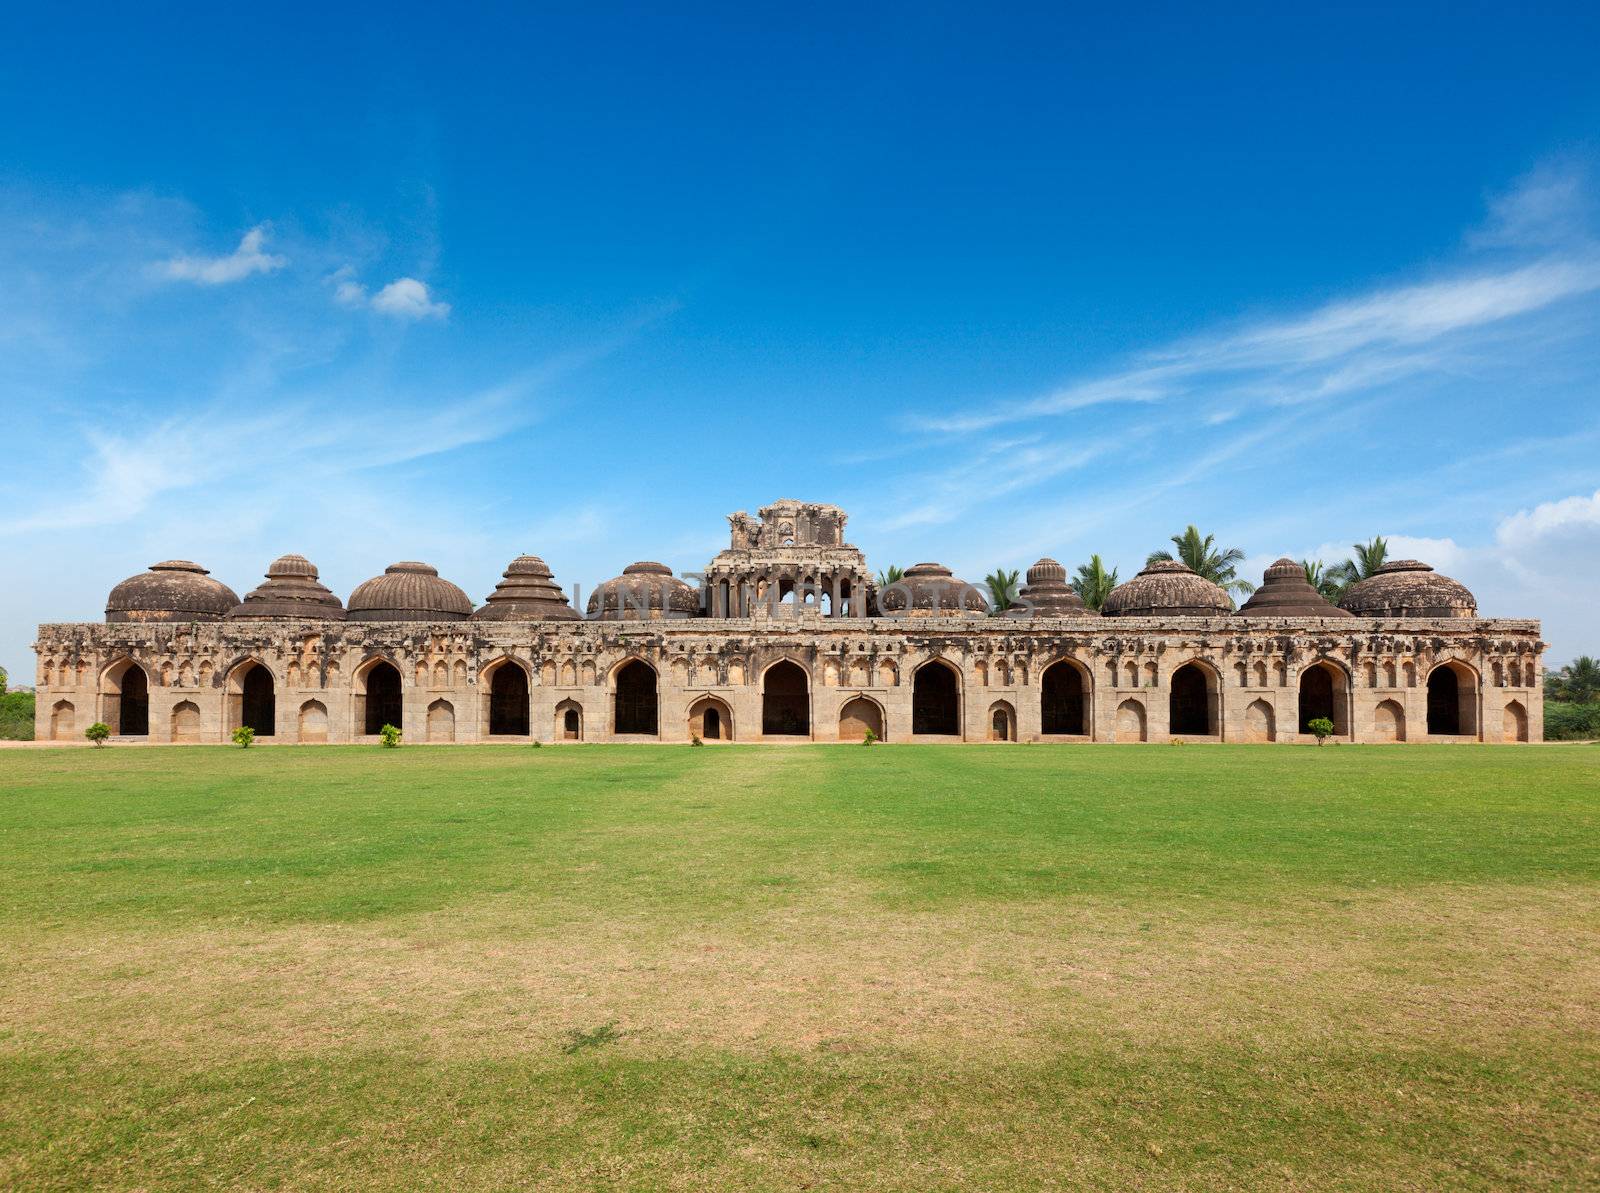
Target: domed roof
<point>1167,588</point>
<point>528,592</point>
<point>1409,588</point>
<point>291,590</point>
<point>1048,594</point>
<point>931,588</point>
<point>1285,592</point>
<point>645,590</point>
<point>409,591</point>
<point>173,590</point>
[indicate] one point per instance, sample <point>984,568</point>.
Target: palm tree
<point>892,574</point>
<point>1576,683</point>
<point>1326,581</point>
<point>1093,583</point>
<point>1002,586</point>
<point>1368,559</point>
<point>1203,558</point>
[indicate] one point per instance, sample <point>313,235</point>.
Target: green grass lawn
<point>906,968</point>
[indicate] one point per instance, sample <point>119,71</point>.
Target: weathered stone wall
<point>1253,671</point>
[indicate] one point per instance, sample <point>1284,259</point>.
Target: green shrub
<point>244,737</point>
<point>98,733</point>
<point>16,716</point>
<point>869,738</point>
<point>1571,722</point>
<point>536,744</point>
<point>1322,727</point>
<point>390,734</point>
<point>694,740</point>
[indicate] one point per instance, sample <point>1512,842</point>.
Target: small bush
<point>390,736</point>
<point>1565,721</point>
<point>244,737</point>
<point>99,733</point>
<point>536,744</point>
<point>694,739</point>
<point>869,738</point>
<point>1321,727</point>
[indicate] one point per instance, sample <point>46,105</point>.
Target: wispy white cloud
<point>249,258</point>
<point>403,298</point>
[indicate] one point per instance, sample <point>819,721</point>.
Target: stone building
<point>785,638</point>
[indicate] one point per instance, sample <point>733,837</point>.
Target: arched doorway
<point>442,721</point>
<point>569,721</point>
<point>936,699</point>
<point>1191,705</point>
<point>126,700</point>
<point>1131,722</point>
<point>1389,721</point>
<point>1452,701</point>
<point>636,710</point>
<point>1063,700</point>
<point>379,701</point>
<point>508,701</point>
<point>252,699</point>
<point>1514,722</point>
<point>785,701</point>
<point>857,717</point>
<point>711,720</point>
<point>1324,693</point>
<point>313,721</point>
<point>1002,722</point>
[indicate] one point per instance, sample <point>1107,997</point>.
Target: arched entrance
<point>636,709</point>
<point>378,699</point>
<point>1452,701</point>
<point>1002,722</point>
<point>125,700</point>
<point>858,716</point>
<point>1324,693</point>
<point>936,699</point>
<point>1192,705</point>
<point>711,720</point>
<point>1260,722</point>
<point>252,699</point>
<point>785,701</point>
<point>1063,700</point>
<point>569,721</point>
<point>508,701</point>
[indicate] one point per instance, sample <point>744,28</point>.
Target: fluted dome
<point>1409,588</point>
<point>1047,594</point>
<point>645,590</point>
<point>1167,588</point>
<point>1285,592</point>
<point>527,592</point>
<point>409,591</point>
<point>291,589</point>
<point>173,590</point>
<point>931,589</point>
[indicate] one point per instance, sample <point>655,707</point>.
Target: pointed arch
<point>1194,700</point>
<point>859,715</point>
<point>63,721</point>
<point>186,721</point>
<point>1324,693</point>
<point>1388,721</point>
<point>125,698</point>
<point>936,699</point>
<point>379,698</point>
<point>1002,721</point>
<point>1452,700</point>
<point>785,699</point>
<point>1260,722</point>
<point>1132,723</point>
<point>635,698</point>
<point>1064,699</point>
<point>442,719</point>
<point>252,697</point>
<point>711,719</point>
<point>313,722</point>
<point>1514,722</point>
<point>503,685</point>
<point>569,721</point>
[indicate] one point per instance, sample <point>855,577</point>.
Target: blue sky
<point>1003,283</point>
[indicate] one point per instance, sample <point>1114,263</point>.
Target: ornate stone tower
<point>789,560</point>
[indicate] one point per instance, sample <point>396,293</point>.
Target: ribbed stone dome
<point>1409,588</point>
<point>1285,592</point>
<point>1167,588</point>
<point>527,592</point>
<point>645,590</point>
<point>291,590</point>
<point>409,591</point>
<point>1048,594</point>
<point>931,589</point>
<point>173,590</point>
